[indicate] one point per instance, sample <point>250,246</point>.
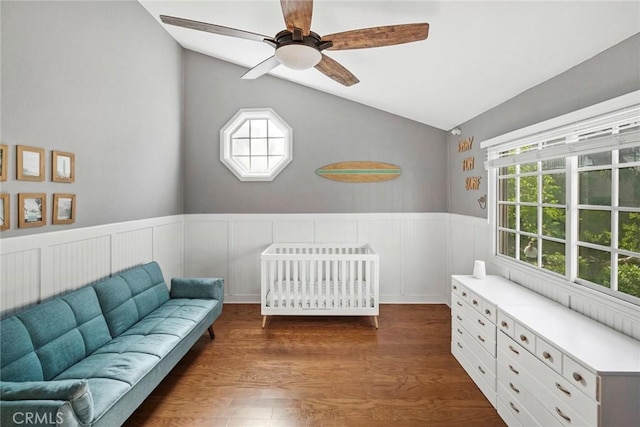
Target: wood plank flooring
<point>321,371</point>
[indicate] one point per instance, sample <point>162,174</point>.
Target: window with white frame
<point>567,200</point>
<point>256,144</point>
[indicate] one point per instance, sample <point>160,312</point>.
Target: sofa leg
<point>211,333</point>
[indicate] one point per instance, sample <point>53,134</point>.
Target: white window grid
<point>256,144</point>
<point>617,133</point>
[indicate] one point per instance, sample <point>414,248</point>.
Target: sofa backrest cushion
<point>40,343</point>
<point>129,296</point>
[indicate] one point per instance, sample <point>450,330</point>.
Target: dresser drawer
<point>549,355</point>
<point>556,394</point>
<point>456,287</point>
<point>514,410</point>
<point>525,338</point>
<point>509,346</point>
<point>468,339</point>
<point>480,374</point>
<point>581,378</point>
<point>506,324</point>
<point>489,311</point>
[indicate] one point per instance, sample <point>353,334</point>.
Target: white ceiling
<point>478,54</point>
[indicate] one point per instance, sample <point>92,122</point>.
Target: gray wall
<point>326,129</point>
<point>607,75</point>
<point>102,80</point>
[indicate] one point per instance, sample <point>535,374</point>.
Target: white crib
<point>319,279</point>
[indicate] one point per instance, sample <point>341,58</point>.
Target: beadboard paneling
<point>37,267</point>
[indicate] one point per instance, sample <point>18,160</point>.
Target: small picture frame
<point>64,208</point>
<point>4,162</point>
<point>63,166</point>
<point>5,212</point>
<point>32,210</point>
<point>30,163</point>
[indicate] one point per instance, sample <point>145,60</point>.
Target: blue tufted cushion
<point>18,359</point>
<point>92,325</point>
<point>52,327</point>
<point>117,303</point>
<point>131,295</point>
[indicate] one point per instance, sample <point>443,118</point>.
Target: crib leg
<point>264,321</point>
<point>375,320</point>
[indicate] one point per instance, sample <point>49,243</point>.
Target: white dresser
<point>540,363</point>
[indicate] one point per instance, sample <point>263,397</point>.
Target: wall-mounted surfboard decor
<point>360,171</point>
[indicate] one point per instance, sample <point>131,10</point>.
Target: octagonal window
<point>256,144</point>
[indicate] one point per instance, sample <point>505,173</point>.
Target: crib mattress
<point>326,295</point>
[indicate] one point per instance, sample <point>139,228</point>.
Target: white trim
<point>621,102</point>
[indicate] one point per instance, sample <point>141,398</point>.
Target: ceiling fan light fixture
<point>298,56</point>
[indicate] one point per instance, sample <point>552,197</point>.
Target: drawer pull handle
<point>487,312</point>
<point>459,303</point>
<point>455,287</point>
<point>514,407</point>
<point>459,345</point>
<point>514,388</point>
<point>459,331</point>
<point>546,355</point>
<point>481,370</point>
<point>481,322</point>
<point>559,412</point>
<point>459,318</point>
<point>524,338</point>
<point>514,350</point>
<point>514,370</point>
<point>475,302</point>
<point>577,376</point>
<point>464,294</point>
<point>504,324</point>
<point>562,389</point>
<point>480,338</point>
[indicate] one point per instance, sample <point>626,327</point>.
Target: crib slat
<point>368,281</point>
<point>295,285</point>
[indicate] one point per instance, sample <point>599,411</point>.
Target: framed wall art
<point>4,162</point>
<point>5,212</point>
<point>32,210</point>
<point>63,166</point>
<point>30,163</point>
<point>64,208</point>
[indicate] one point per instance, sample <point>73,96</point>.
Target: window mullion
<point>571,226</point>
<point>615,199</point>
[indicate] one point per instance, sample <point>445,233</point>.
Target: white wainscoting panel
<point>411,247</point>
<point>131,248</point>
<point>384,237</point>
<point>40,266</point>
<point>248,240</point>
<point>20,279</point>
<point>75,264</point>
<point>207,248</point>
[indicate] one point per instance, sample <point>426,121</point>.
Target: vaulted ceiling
<point>478,53</point>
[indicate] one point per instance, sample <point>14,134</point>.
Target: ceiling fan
<point>299,48</point>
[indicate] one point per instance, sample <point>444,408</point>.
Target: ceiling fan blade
<point>261,69</point>
<point>297,14</point>
<point>212,28</point>
<point>378,36</point>
<point>337,72</point>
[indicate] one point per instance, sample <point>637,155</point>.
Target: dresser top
<point>595,345</point>
<point>500,291</point>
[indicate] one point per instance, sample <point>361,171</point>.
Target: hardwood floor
<point>321,371</point>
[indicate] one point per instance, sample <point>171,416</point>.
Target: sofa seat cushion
<point>153,344</point>
<point>175,317</point>
<point>126,367</point>
<point>106,392</point>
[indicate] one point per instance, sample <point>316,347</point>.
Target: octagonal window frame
<point>237,163</point>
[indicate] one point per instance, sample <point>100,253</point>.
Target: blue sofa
<point>90,357</point>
